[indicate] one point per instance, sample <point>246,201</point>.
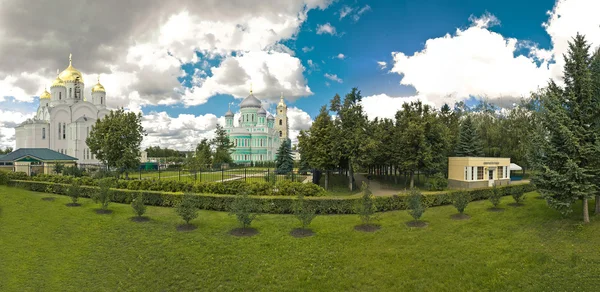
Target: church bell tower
<point>281,120</point>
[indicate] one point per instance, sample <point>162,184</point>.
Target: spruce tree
<point>469,142</point>
<point>223,146</point>
<point>284,162</point>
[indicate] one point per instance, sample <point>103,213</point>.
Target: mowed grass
<point>183,176</point>
<point>46,246</point>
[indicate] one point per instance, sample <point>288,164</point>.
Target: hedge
<point>263,204</point>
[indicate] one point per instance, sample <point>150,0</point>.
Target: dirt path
<point>376,188</point>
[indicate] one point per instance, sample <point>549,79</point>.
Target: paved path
<point>376,188</point>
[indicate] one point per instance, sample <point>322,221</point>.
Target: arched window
<point>101,100</point>
<point>280,122</point>
<point>64,131</point>
<point>280,134</point>
<point>59,95</point>
<point>44,133</point>
<point>70,92</point>
<point>59,127</point>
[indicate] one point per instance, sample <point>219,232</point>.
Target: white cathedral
<point>64,118</point>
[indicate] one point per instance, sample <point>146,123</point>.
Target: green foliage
<point>74,191</point>
<point>103,195</point>
<point>437,183</point>
<point>115,139</point>
<point>495,196</point>
<point>366,206</point>
<point>6,150</point>
<point>72,171</point>
<point>4,178</point>
<point>304,211</point>
<point>270,178</point>
<point>317,145</point>
<point>223,146</point>
<point>187,209</point>
<point>202,159</point>
<point>137,203</point>
<point>460,200</point>
<point>469,142</point>
<point>243,207</point>
<point>156,151</point>
<point>284,161</point>
<point>518,196</point>
<point>416,203</point>
<point>58,168</point>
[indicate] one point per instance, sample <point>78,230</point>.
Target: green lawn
<point>183,175</point>
<point>46,246</point>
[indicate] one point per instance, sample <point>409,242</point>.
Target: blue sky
<point>181,63</point>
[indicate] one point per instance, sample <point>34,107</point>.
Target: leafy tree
<point>495,196</point>
<point>74,191</point>
<point>115,139</point>
<point>284,161</point>
<point>222,145</point>
<point>156,151</point>
<point>243,208</point>
<point>6,150</point>
<point>318,146</point>
<point>365,206</point>
<point>58,168</point>
<point>416,204</point>
<point>202,157</point>
<point>103,195</point>
<point>137,203</point>
<point>460,200</point>
<point>568,164</point>
<point>469,143</point>
<point>186,209</point>
<point>304,211</point>
<point>517,195</point>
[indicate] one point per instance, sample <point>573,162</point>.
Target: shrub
<point>137,203</point>
<point>365,206</point>
<point>74,191</point>
<point>187,209</point>
<point>416,204</point>
<point>58,168</point>
<point>243,207</point>
<point>4,178</point>
<point>304,211</point>
<point>437,183</point>
<point>495,196</point>
<point>270,177</point>
<point>517,194</point>
<point>460,200</point>
<point>103,194</point>
<point>72,171</point>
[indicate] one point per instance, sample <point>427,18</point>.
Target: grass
<point>183,176</point>
<point>46,246</point>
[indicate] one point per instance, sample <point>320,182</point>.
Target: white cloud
<point>360,12</point>
<point>182,132</point>
<point>382,65</point>
<point>298,120</point>
<point>270,73</point>
<point>333,77</point>
<point>308,49</point>
<point>345,11</point>
<point>474,61</point>
<point>384,106</point>
<point>326,28</point>
<point>340,56</point>
<point>8,120</point>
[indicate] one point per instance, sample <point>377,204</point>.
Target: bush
<point>304,211</point>
<point>365,206</point>
<point>437,183</point>
<point>74,191</point>
<point>460,200</point>
<point>270,177</point>
<point>187,209</point>
<point>243,207</point>
<point>72,171</point>
<point>103,194</point>
<point>416,204</point>
<point>137,203</point>
<point>495,196</point>
<point>4,179</point>
<point>58,168</point>
<point>517,195</point>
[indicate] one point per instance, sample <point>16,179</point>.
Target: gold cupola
<point>45,94</point>
<point>71,74</point>
<point>57,81</point>
<point>98,87</point>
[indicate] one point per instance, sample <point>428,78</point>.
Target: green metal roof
<point>41,154</point>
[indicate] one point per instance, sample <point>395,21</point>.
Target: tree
<point>74,191</point>
<point>115,139</point>
<point>137,203</point>
<point>460,200</point>
<point>469,142</point>
<point>58,168</point>
<point>304,211</point>
<point>415,203</point>
<point>243,208</point>
<point>202,157</point>
<point>365,206</point>
<point>103,195</point>
<point>284,162</point>
<point>186,209</point>
<point>568,159</point>
<point>222,146</point>
<point>495,197</point>
<point>6,150</point>
<point>595,70</point>
<point>317,145</point>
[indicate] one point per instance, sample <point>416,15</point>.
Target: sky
<point>182,63</point>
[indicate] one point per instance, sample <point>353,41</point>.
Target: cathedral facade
<point>64,118</point>
<point>257,136</point>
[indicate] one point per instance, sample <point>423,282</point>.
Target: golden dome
<point>45,94</point>
<point>70,74</point>
<point>98,87</point>
<point>57,81</point>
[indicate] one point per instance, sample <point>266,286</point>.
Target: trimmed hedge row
<point>281,188</point>
<point>275,205</point>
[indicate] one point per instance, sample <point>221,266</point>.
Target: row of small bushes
<point>276,205</point>
<point>281,188</point>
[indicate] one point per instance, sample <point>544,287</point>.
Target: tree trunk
<point>597,211</point>
<point>350,176</point>
<point>586,214</point>
<point>412,179</point>
<point>327,180</point>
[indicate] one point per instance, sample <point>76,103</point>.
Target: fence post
<point>268,175</point>
<point>179,173</point>
<point>159,171</point>
<point>222,173</point>
<point>244,174</point>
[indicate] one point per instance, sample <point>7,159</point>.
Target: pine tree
<point>469,143</point>
<point>284,162</point>
<point>595,70</point>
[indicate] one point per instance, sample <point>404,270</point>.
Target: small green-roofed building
<point>35,160</point>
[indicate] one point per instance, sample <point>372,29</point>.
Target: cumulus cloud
<point>326,28</point>
<point>382,65</point>
<point>341,56</point>
<point>333,77</point>
<point>308,49</point>
<point>384,106</point>
<point>182,132</point>
<point>9,119</point>
<point>298,120</point>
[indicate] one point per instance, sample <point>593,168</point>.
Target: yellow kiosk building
<point>478,172</point>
